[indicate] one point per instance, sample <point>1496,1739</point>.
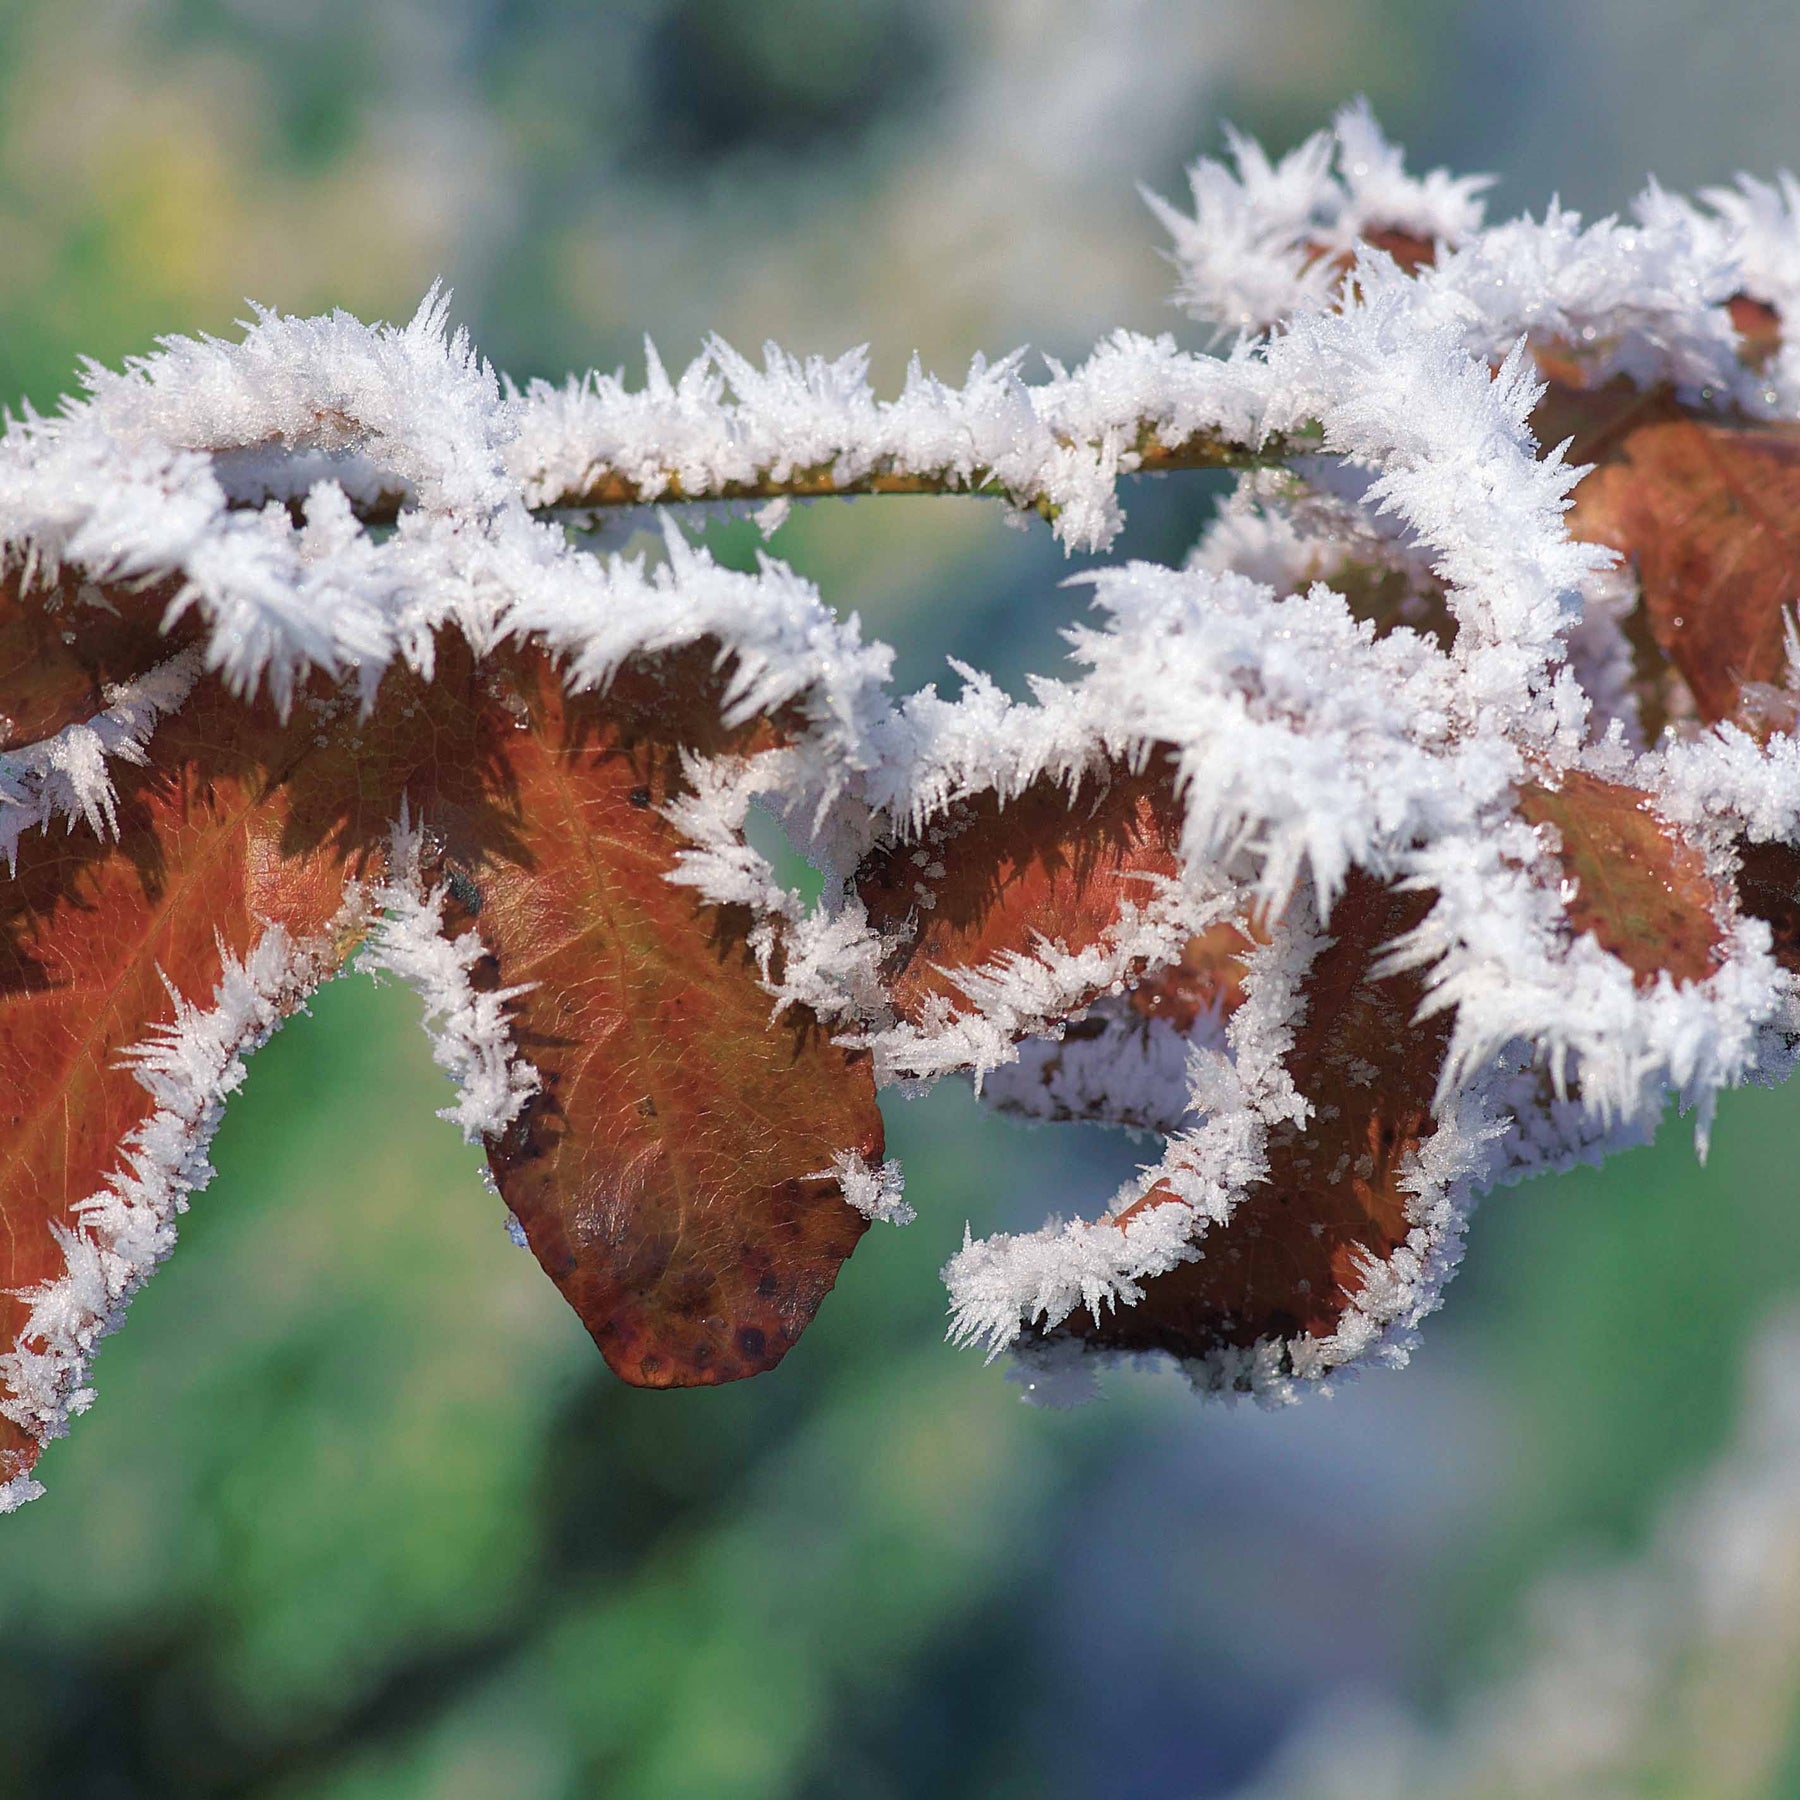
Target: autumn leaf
<point>1707,511</point>
<point>1407,248</point>
<point>681,1173</point>
<point>1124,1061</point>
<point>1297,1249</point>
<point>59,651</point>
<point>97,933</point>
<point>990,878</point>
<point>1629,879</point>
<point>675,1173</point>
<point>1207,980</point>
<point>1758,326</point>
<point>1768,888</point>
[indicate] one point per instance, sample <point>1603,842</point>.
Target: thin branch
<point>1205,450</point>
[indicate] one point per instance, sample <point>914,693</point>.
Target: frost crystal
<point>1389,693</point>
<point>470,1039</point>
<point>877,1192</point>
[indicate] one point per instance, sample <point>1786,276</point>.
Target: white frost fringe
<point>1302,744</point>
<point>876,1193</point>
<point>64,776</point>
<point>471,1039</point>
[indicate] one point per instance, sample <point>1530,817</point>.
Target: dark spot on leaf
<point>465,893</point>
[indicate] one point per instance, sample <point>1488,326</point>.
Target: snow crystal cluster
<point>331,497</point>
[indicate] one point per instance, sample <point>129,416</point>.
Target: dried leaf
<point>1768,888</point>
<point>675,1174</point>
<point>1642,891</point>
<point>1708,512</point>
<point>1407,248</point>
<point>678,1176</point>
<point>1296,1251</point>
<point>1389,597</point>
<point>1208,980</point>
<point>93,934</point>
<point>1758,326</point>
<point>57,653</point>
<point>1124,1061</point>
<point>988,878</point>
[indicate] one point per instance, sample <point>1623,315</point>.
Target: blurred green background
<point>359,1511</point>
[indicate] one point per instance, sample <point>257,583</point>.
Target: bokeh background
<point>359,1512</point>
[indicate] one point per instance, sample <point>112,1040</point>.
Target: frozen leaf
<point>1410,252</point>
<point>992,878</point>
<point>674,1171</point>
<point>1629,879</point>
<point>1707,511</point>
<point>99,934</point>
<point>1758,326</point>
<point>1125,1060</point>
<point>1298,1248</point>
<point>1768,888</point>
<point>1206,982</point>
<point>59,653</point>
<point>680,1171</point>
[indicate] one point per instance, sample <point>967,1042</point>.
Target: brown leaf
<point>1294,1253</point>
<point>1758,326</point>
<point>1389,597</point>
<point>988,878</point>
<point>674,1175</point>
<point>1642,891</point>
<point>1768,888</point>
<point>1407,248</point>
<point>1109,1066</point>
<point>58,651</point>
<point>90,930</point>
<point>1208,979</point>
<point>1706,509</point>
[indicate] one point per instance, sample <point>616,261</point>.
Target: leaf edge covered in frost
<point>1304,744</point>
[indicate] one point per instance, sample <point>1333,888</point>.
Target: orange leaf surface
<point>92,930</point>
<point>1768,888</point>
<point>674,1175</point>
<point>1208,978</point>
<point>1633,883</point>
<point>988,878</point>
<point>56,656</point>
<point>1758,326</point>
<point>1108,1067</point>
<point>1707,510</point>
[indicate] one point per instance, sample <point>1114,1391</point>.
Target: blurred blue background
<point>359,1511</point>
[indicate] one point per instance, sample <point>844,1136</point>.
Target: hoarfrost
<point>470,1038</point>
<point>1382,417</point>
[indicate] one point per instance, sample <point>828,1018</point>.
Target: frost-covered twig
<point>1393,724</point>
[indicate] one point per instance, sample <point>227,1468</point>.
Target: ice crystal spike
<point>1435,824</point>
